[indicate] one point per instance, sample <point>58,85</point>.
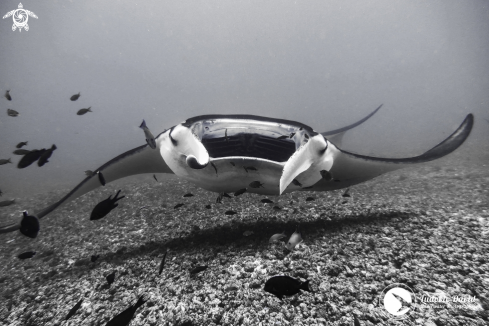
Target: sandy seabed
<point>426,227</point>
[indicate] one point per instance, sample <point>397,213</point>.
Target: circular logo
<point>397,299</point>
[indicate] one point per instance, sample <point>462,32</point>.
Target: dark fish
<point>104,207</point>
<point>326,175</point>
<point>27,254</point>
<point>297,183</point>
<point>12,113</point>
<point>110,278</point>
<point>249,168</point>
<point>75,97</point>
<point>282,137</point>
<point>101,178</point>
<point>276,237</point>
<point>1,193</point>
<point>214,166</point>
<point>232,163</point>
<point>162,264</point>
<point>19,145</point>
<point>285,286</point>
<point>3,161</point>
<point>344,201</point>
<point>239,192</point>
<point>21,151</point>
<point>7,95</point>
<point>197,269</point>
<point>178,206</point>
<point>307,187</point>
<point>154,176</point>
<point>219,198</point>
<point>6,202</point>
<point>83,111</point>
<point>124,318</point>
<point>231,212</point>
<point>292,135</point>
<point>30,158</point>
<point>89,173</point>
<point>29,226</point>
<point>74,309</point>
<point>47,154</point>
<point>346,193</point>
<point>256,184</point>
<point>226,135</point>
<point>150,139</point>
<point>356,322</point>
<point>188,195</point>
<point>295,239</point>
<point>94,258</point>
<point>224,194</point>
<point>310,198</point>
<point>266,201</point>
<point>277,208</point>
<point>208,206</point>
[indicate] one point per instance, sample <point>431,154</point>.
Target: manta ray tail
<point>350,168</point>
<point>139,160</point>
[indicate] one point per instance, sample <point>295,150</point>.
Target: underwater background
<point>326,64</point>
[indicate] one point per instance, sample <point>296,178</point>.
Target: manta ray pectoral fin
<point>307,161</point>
<point>139,160</point>
<point>350,169</point>
<point>335,132</point>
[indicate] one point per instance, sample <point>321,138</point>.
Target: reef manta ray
<point>227,153</point>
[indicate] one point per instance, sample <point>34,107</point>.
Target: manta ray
<point>268,156</point>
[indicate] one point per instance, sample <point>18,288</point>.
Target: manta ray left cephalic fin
<point>140,160</point>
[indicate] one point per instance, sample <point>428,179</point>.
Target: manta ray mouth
<point>247,136</point>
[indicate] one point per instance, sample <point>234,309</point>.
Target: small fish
<point>3,161</point>
<point>219,198</point>
<point>7,95</point>
<point>276,237</point>
<point>154,176</point>
<point>89,173</point>
<point>110,278</point>
<point>74,309</point>
<point>292,135</point>
<point>104,207</point>
<point>225,194</point>
<point>346,193</point>
<point>197,269</point>
<point>150,139</point>
<point>83,111</point>
<point>249,168</point>
<point>188,195</point>
<point>277,208</point>
<point>344,202</point>
<point>29,226</point>
<point>282,137</point>
<point>310,199</point>
<point>239,192</point>
<point>27,254</point>
<point>248,233</point>
<point>21,151</point>
<point>19,145</point>
<point>326,175</point>
<point>178,206</point>
<point>226,135</point>
<point>208,206</point>
<point>1,193</point>
<point>6,203</point>
<point>295,238</point>
<point>12,113</point>
<point>285,286</point>
<point>47,154</point>
<point>101,178</point>
<point>307,187</point>
<point>75,97</point>
<point>356,322</point>
<point>297,183</point>
<point>30,158</point>
<point>256,184</point>
<point>125,317</point>
<point>266,201</point>
<point>94,258</point>
<point>214,166</point>
<point>232,163</point>
<point>162,264</point>
<point>231,212</point>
